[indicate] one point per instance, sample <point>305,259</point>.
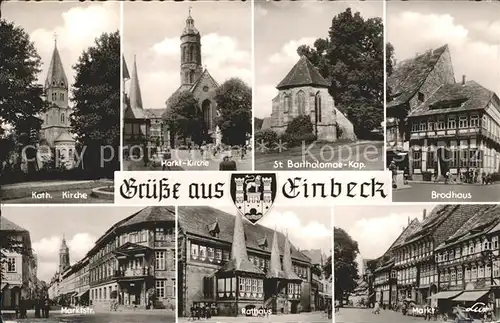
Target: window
<point>160,260</point>
<point>487,271</point>
<point>160,288</point>
<point>441,124</point>
<point>301,103</point>
<point>417,159</point>
<point>318,107</point>
<point>414,126</point>
<point>54,96</point>
<point>462,122</point>
<point>62,118</point>
<point>452,122</point>
<point>203,252</point>
<point>11,265</point>
<point>423,126</point>
<point>474,273</point>
<point>459,274</point>
<point>474,121</point>
<point>421,97</point>
<point>495,243</point>
<point>218,255</point>
<point>144,236</point>
<point>242,284</point>
<point>160,234</point>
<point>61,96</point>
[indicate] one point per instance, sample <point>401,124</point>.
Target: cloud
<point>260,12</point>
<point>76,34</point>
<point>376,234</point>
<point>302,233</point>
<point>474,46</point>
<point>288,53</point>
<point>47,251</point>
<point>262,101</point>
<point>168,46</point>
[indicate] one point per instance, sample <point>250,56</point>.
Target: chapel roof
<point>195,220</point>
<point>303,73</point>
<point>135,95</point>
<point>409,75</point>
<point>458,97</point>
<point>64,137</point>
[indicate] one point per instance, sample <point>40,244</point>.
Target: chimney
<point>463,79</point>
<point>425,213</point>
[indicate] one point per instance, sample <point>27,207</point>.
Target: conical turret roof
<point>303,73</point>
<point>135,89</point>
<point>190,29</point>
<point>239,256</point>
<point>56,77</point>
<point>287,261</point>
<point>275,270</point>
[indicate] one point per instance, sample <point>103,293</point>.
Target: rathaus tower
<point>191,68</point>
<point>63,256</point>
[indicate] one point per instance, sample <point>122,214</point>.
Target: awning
<point>471,296</point>
<point>81,293</point>
<point>445,295</point>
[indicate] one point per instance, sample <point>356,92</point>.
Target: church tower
<point>56,120</point>
<point>63,256</point>
<point>191,68</point>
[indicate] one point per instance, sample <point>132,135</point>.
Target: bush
<point>266,136</point>
<point>294,140</point>
<point>301,125</point>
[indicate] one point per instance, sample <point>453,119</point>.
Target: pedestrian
<point>46,309</point>
<point>227,164</point>
<point>394,171</point>
<point>191,313</point>
<point>38,307</point>
<point>376,308</point>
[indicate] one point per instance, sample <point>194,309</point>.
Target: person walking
<point>227,164</point>
<point>376,308</point>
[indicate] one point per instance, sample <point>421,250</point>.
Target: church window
<point>61,96</point>
<point>318,107</point>
<point>191,52</point>
<point>183,54</point>
<point>301,103</point>
<point>191,76</point>
<point>207,111</point>
<point>54,96</point>
<point>62,118</point>
<point>288,103</point>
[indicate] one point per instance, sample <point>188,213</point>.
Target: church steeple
<point>63,255</point>
<point>135,89</point>
<point>191,68</point>
<point>56,83</point>
<point>239,247</point>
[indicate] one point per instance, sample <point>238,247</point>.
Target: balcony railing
<point>136,272</point>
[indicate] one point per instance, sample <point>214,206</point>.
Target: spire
<point>190,29</point>
<point>56,77</point>
<point>135,89</point>
<point>287,261</point>
<point>239,247</point>
<point>64,246</point>
<point>275,263</point>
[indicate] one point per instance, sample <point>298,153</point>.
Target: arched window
<point>317,107</point>
<point>54,96</point>
<point>62,118</point>
<point>183,58</point>
<point>301,103</point>
<point>191,52</point>
<point>191,76</point>
<point>288,103</point>
<point>206,108</point>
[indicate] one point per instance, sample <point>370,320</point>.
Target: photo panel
<point>277,270</point>
<point>117,264</point>
<point>188,82</point>
<point>60,110</point>
<point>443,110</point>
<point>406,262</point>
<point>319,85</point>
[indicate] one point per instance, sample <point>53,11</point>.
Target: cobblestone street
<point>316,317</point>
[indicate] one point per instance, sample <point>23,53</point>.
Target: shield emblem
<point>253,194</point>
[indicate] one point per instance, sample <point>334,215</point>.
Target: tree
<point>96,97</point>
<point>300,126</point>
<point>389,66</point>
<point>234,103</point>
<point>351,59</point>
<point>184,118</point>
<point>21,98</point>
<point>345,265</point>
<point>258,124</point>
<point>327,268</point>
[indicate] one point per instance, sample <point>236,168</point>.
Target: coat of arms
<point>253,194</point>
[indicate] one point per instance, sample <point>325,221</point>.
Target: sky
<point>471,30</point>
<point>69,21</point>
<point>152,33</point>
<point>281,27</point>
<point>308,228</point>
<point>81,227</point>
<point>376,228</point>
